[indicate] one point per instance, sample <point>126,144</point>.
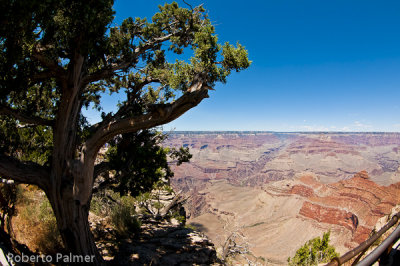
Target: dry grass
<point>35,224</point>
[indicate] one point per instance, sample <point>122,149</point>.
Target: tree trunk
<point>73,223</point>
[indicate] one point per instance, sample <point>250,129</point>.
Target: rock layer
<point>356,203</point>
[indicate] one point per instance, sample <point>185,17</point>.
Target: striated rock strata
<point>356,203</point>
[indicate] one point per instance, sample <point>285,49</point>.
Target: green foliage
<point>180,156</point>
<point>61,28</point>
<point>139,161</point>
<point>123,217</point>
<point>256,224</point>
<point>149,202</point>
<point>180,218</point>
<point>144,201</point>
<point>26,143</point>
<point>120,211</point>
<point>315,251</point>
<point>39,42</point>
<point>49,240</point>
<point>99,206</point>
<point>191,226</point>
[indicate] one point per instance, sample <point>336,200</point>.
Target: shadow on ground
<point>161,244</point>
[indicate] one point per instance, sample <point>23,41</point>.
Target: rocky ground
<point>158,243</point>
<point>161,240</point>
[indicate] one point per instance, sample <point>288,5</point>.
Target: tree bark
<point>70,188</point>
<point>72,219</point>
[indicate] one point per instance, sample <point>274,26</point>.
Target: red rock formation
<point>361,234</point>
<point>329,215</point>
<point>362,174</point>
<point>302,191</point>
<point>356,203</point>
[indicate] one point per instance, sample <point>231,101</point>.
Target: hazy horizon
<point>289,132</point>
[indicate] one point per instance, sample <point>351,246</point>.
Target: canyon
<point>275,191</point>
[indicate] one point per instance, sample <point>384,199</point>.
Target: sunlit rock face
<point>268,185</point>
<point>356,203</point>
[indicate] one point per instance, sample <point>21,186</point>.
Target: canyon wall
<point>281,189</point>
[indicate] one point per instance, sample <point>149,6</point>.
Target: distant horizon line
<point>281,132</point>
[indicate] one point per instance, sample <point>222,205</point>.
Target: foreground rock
<point>165,244</point>
<point>158,243</point>
<point>162,238</point>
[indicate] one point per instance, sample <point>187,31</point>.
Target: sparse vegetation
<point>35,223</point>
<point>180,218</point>
<point>98,206</point>
<point>261,258</point>
<point>315,251</point>
<point>256,224</point>
<point>124,220</point>
<point>190,226</point>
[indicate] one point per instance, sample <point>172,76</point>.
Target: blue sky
<point>317,66</point>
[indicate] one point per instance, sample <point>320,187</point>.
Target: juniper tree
<point>138,161</point>
<point>57,57</point>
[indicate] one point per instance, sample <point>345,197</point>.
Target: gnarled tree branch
<point>24,172</point>
<point>159,115</point>
<point>100,168</point>
<point>106,72</point>
<point>24,118</point>
<point>48,63</point>
<point>109,71</point>
<point>42,76</point>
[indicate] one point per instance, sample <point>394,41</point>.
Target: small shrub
<point>190,226</point>
<point>315,251</point>
<point>99,206</point>
<point>169,189</point>
<point>261,258</point>
<point>123,218</point>
<point>49,240</point>
<point>256,224</point>
<point>180,218</point>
